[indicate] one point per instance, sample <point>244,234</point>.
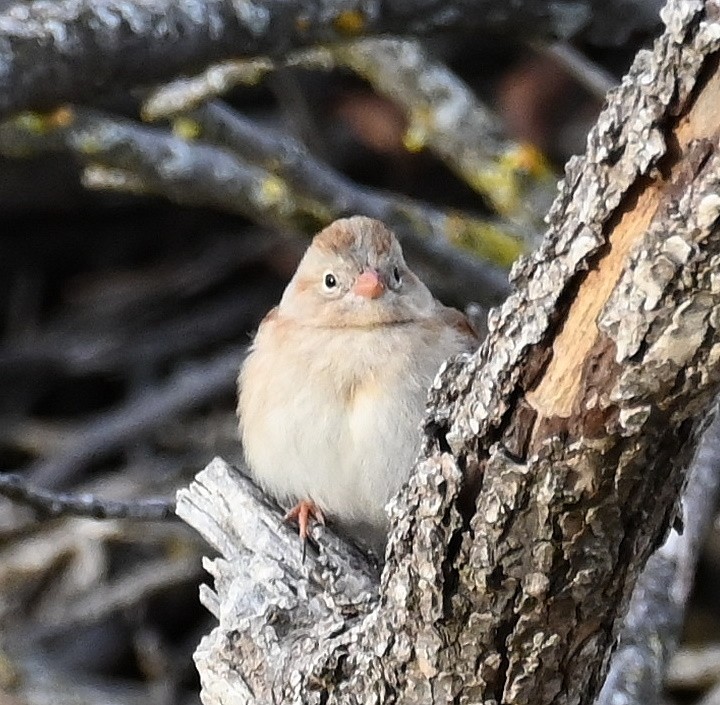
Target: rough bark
<point>553,457</point>
<point>68,50</point>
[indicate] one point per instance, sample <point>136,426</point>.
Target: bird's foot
<point>303,512</point>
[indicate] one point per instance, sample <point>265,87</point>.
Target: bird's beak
<point>368,285</point>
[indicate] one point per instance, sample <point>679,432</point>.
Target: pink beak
<point>368,284</point>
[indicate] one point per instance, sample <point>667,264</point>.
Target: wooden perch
<point>553,457</point>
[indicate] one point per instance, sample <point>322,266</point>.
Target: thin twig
<point>57,504</point>
<point>592,76</point>
<point>180,95</point>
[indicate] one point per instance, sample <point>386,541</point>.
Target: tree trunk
<point>553,457</point>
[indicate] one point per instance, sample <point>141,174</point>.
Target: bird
<point>332,392</point>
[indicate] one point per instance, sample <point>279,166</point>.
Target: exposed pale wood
<point>557,391</point>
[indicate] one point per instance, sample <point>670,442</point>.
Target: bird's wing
<point>458,320</point>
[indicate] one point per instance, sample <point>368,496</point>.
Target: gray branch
<point>443,115</point>
<point>56,504</point>
<point>203,173</point>
<point>71,49</point>
<point>414,221</point>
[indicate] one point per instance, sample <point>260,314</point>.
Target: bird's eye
<point>330,281</point>
<point>396,274</point>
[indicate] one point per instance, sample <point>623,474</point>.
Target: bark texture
<point>553,457</point>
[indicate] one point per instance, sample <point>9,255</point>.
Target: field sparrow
<point>333,389</point>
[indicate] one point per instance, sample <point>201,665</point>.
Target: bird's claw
<point>303,512</point>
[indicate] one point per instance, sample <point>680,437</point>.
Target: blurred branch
<point>195,173</point>
<point>64,51</point>
<point>299,118</point>
<point>85,351</point>
<point>129,589</point>
<point>106,178</point>
<point>154,406</point>
<point>51,504</point>
<point>443,115</point>
<point>186,92</point>
<point>655,616</point>
<point>694,667</point>
<point>39,679</point>
<point>319,182</point>
<point>711,698</point>
<point>182,170</point>
<point>592,76</point>
<point>74,563</point>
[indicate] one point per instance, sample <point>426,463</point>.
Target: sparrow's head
<point>354,275</point>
